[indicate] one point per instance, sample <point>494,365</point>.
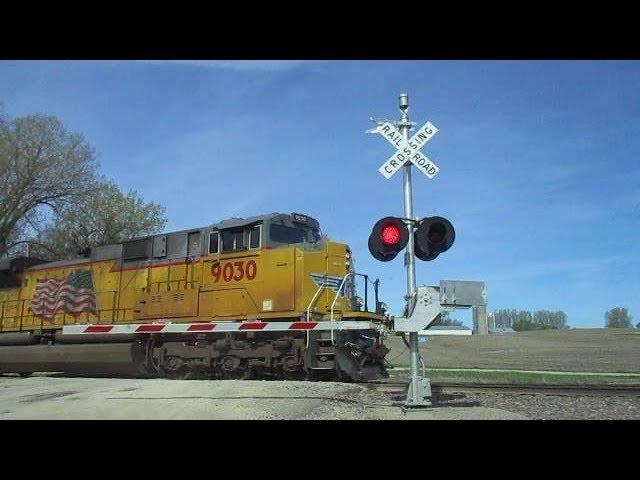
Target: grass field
<point>579,350</point>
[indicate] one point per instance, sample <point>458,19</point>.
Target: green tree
<point>505,317</point>
<point>617,317</point>
<point>43,168</point>
<point>51,198</point>
<point>105,215</point>
<point>524,320</point>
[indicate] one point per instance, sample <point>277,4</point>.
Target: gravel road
<point>57,397</point>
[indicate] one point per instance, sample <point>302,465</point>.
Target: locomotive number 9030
<point>237,271</point>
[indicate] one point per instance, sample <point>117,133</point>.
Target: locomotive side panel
<point>133,280</point>
<point>279,293</point>
<point>10,309</point>
<point>336,266</point>
<point>314,267</point>
<point>231,285</point>
<point>30,319</point>
<point>107,287</point>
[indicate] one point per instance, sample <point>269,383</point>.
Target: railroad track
<point>524,389</point>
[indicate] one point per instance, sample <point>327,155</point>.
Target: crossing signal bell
<point>388,237</point>
<point>432,236</point>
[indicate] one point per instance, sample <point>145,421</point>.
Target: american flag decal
<point>73,295</point>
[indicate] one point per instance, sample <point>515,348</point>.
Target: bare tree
<point>617,318</point>
<point>42,167</point>
<point>104,215</point>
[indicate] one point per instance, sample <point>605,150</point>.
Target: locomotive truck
<point>266,295</point>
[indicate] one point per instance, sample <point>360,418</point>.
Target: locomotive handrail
<point>338,293</point>
<point>313,300</point>
<point>315,297</point>
<point>333,342</point>
<point>366,290</point>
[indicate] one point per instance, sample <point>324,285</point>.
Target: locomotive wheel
<point>233,368</point>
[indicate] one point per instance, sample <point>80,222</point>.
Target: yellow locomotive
<point>265,295</point>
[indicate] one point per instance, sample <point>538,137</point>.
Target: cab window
<point>284,234</point>
<point>213,242</point>
<point>254,237</point>
<point>233,240</point>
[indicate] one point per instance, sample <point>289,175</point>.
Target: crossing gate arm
<point>108,329</point>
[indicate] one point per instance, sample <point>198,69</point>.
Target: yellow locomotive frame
<point>238,269</point>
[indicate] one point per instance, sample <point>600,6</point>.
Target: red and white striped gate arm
<point>212,327</point>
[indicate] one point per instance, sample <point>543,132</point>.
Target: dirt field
<point>588,350</point>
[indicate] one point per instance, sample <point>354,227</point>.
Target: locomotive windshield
<point>289,235</point>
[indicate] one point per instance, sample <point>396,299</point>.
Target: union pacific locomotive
<point>259,296</point>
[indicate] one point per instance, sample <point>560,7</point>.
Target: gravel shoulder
<point>561,407</point>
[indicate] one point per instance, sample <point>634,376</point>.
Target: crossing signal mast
<point>424,238</point>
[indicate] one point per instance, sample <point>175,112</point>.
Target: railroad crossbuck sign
<point>407,150</point>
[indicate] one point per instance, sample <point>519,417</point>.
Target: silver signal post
<point>409,258</point>
<point>415,394</point>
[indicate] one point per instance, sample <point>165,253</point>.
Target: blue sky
<point>540,161</point>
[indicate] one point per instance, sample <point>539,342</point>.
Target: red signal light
<point>390,234</point>
<point>388,237</point>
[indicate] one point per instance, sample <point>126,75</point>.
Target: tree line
<point>54,204</point>
<point>521,320</point>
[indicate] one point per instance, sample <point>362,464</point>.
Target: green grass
<point>606,350</point>
<point>518,377</point>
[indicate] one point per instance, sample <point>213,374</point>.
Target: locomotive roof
<point>228,223</point>
<point>241,222</point>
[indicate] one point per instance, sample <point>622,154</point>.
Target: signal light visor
<point>433,236</point>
